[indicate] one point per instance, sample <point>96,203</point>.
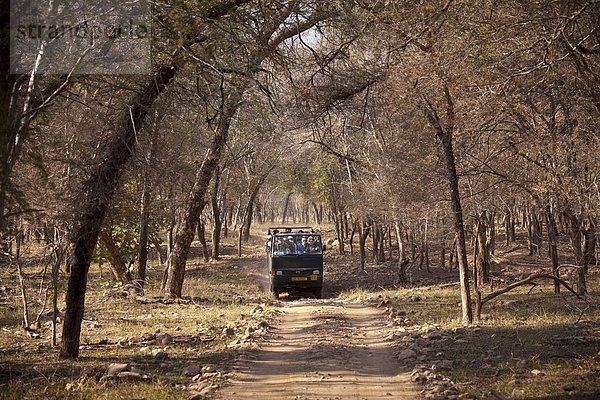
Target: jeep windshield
<point>297,243</point>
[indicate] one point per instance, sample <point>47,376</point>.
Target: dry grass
<point>521,330</point>
<point>220,294</point>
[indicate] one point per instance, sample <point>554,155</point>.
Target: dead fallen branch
<point>530,280</point>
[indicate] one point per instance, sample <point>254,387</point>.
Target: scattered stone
<point>444,365</point>
<point>434,335</point>
<point>208,389</point>
<point>208,369</point>
<point>204,376</point>
<point>191,370</point>
<point>159,354</point>
<point>136,370</point>
<point>147,337</point>
<point>500,396</point>
<point>436,396</point>
<point>128,375</point>
<point>406,354</point>
<point>228,331</point>
<point>164,339</point>
<point>114,369</point>
<point>537,372</point>
<point>258,308</point>
<point>263,324</point>
<point>568,388</point>
<point>249,331</point>
<point>451,391</point>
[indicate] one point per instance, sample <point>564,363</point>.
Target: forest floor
<point>369,338</point>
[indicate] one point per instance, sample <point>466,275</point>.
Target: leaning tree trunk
<point>467,313</point>
<point>117,261</point>
<point>197,200</point>
<point>201,231</point>
<point>444,134</point>
<point>244,233</point>
<point>286,206</point>
<point>98,191</point>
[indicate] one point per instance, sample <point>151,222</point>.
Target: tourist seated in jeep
<point>284,245</point>
<point>295,260</point>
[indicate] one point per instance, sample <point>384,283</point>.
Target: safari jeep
<point>295,260</point>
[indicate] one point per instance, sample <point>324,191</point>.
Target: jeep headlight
<point>316,272</point>
<point>279,273</point>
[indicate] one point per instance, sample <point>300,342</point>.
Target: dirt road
<point>323,350</point>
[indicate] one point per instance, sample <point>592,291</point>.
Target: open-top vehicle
<point>295,260</point>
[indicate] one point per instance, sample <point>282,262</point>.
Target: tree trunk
<point>248,210</point>
<point>491,236</point>
<point>575,227</point>
<point>158,248</point>
<point>364,232</point>
<point>509,225</point>
<point>197,200</point>
<point>589,247</point>
<point>143,237</point>
<point>426,244</point>
<point>286,206</point>
<point>443,253</point>
<point>99,190</point>
<point>216,214</point>
<point>467,313</point>
<point>117,261</point>
<point>318,216</point>
<point>390,243</point>
<point>534,233</point>
<point>170,232</point>
<point>552,245</point>
<point>375,238</point>
<point>452,255</point>
<point>351,239</point>
<point>341,234</point>
<point>201,231</point>
<point>444,133</point>
<point>402,260</point>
